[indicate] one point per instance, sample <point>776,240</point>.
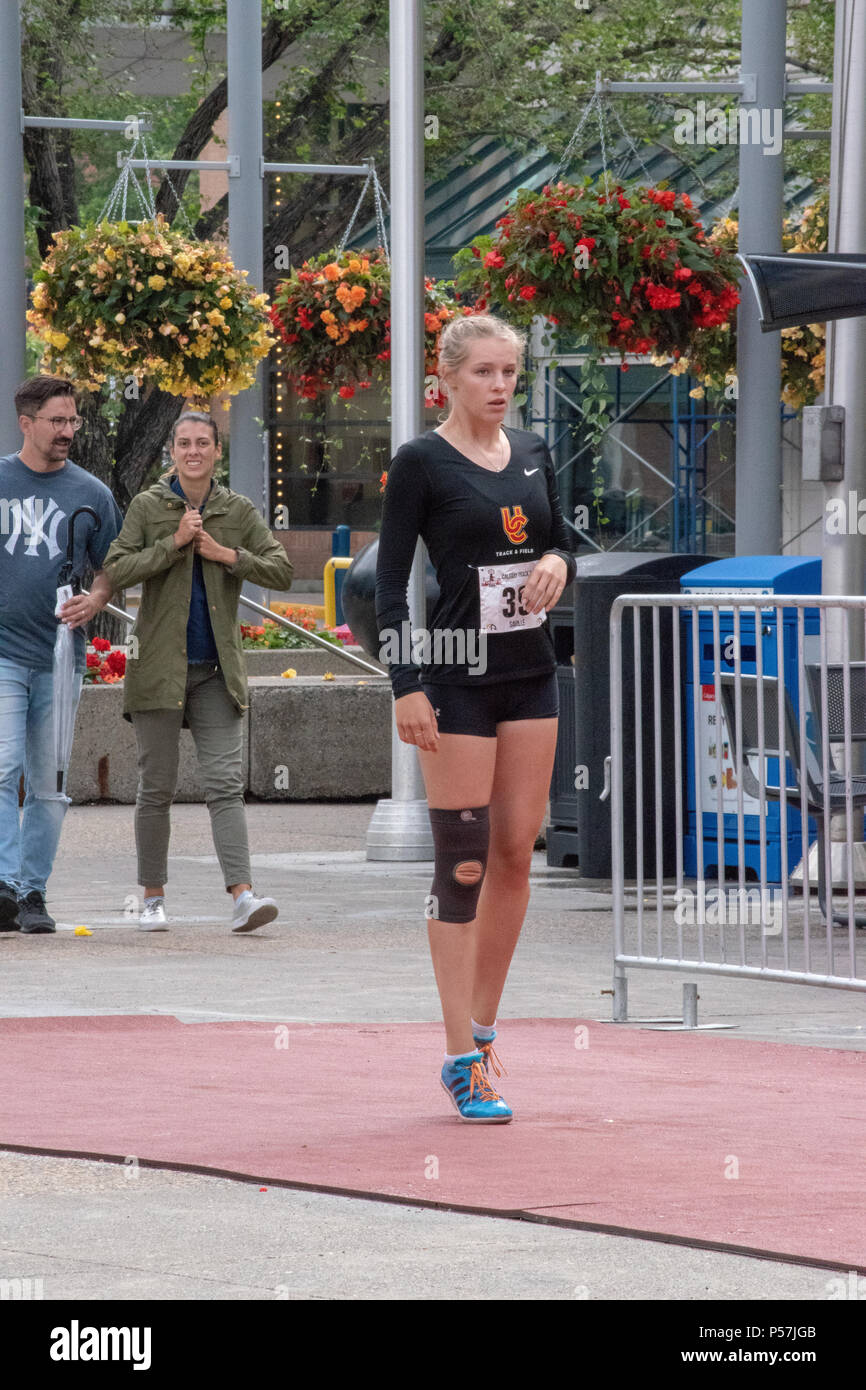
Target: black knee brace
<point>460,841</point>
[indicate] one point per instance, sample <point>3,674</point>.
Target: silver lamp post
<point>759,372</point>
<point>843,569</point>
<point>12,286</point>
<point>400,827</point>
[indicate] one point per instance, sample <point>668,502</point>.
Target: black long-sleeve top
<point>473,522</point>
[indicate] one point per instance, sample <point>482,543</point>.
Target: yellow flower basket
<point>144,302</point>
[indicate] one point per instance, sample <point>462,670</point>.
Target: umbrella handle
<point>66,575</point>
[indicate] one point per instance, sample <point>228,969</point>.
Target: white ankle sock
<point>451,1057</point>
<point>485,1031</point>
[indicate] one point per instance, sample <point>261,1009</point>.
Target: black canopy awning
<point>810,288</point>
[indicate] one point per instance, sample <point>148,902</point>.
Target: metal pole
<point>843,569</point>
<point>315,168</point>
<point>844,556</point>
<point>759,372</point>
<point>248,463</point>
<point>71,123</point>
<point>400,828</point>
<point>12,265</point>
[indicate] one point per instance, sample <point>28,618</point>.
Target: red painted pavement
<point>639,1129</point>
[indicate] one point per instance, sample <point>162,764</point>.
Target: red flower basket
<point>627,267</point>
<point>334,318</point>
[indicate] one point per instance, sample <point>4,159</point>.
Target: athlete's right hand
<point>416,721</point>
<point>190,527</point>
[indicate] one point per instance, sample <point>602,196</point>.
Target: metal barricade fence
<point>787,732</point>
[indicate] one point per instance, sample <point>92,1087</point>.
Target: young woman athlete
<point>482,709</point>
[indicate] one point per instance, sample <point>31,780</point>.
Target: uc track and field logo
<point>514,523</point>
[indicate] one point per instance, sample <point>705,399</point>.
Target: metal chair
<point>796,761</point>
<point>836,701</point>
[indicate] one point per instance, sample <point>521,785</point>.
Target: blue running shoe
<point>474,1098</point>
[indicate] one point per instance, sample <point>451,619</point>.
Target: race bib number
<point>501,598</point>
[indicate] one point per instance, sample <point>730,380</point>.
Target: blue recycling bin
<point>764,574</point>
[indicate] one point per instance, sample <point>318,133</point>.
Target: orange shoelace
<point>479,1079</point>
<point>487,1049</point>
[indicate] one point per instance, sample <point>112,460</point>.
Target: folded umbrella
<point>66,682</point>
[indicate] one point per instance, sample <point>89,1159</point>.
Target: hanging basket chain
<point>602,131</point>
<point>380,216</point>
<point>596,105</point>
<point>587,112</point>
<point>630,143</point>
<point>379,196</point>
<point>117,200</point>
<point>150,205</point>
<point>731,203</point>
<point>345,236</point>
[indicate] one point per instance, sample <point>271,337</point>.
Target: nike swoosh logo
<point>529,471</point>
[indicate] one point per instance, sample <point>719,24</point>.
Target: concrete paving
<point>350,945</point>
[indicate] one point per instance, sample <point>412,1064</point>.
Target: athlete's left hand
<point>545,584</point>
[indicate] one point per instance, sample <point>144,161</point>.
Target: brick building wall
<point>309,550</point>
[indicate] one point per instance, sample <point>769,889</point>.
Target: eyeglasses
<point>58,421</point>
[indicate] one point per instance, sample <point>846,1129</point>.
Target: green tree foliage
<point>514,71</point>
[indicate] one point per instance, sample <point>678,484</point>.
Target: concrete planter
<point>307,661</point>
<point>104,764</point>
<point>304,739</point>
<point>320,740</point>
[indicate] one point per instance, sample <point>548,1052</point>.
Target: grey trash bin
<point>600,579</point>
<point>561,835</point>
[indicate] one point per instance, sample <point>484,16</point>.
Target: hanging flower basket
<point>334,317</point>
<point>712,355</point>
<point>627,267</point>
<point>142,301</point>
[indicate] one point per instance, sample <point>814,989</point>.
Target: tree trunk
<point>124,461</point>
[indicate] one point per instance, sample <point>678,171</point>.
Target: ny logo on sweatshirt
<point>33,520</point>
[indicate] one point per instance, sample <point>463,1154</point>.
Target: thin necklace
<point>501,446</point>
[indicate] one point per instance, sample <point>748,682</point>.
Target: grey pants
<point>217,730</point>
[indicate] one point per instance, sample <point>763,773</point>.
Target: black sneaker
<point>32,915</point>
<point>8,908</point>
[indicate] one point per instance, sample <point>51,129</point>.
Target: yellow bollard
<point>330,581</point>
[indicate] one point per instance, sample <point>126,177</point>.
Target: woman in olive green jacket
<point>191,543</point>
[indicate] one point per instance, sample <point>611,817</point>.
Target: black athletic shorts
<point>468,709</point>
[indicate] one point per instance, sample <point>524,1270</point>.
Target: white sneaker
<point>152,916</point>
<point>251,912</point>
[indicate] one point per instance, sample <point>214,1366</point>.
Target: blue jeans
<point>27,849</point>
